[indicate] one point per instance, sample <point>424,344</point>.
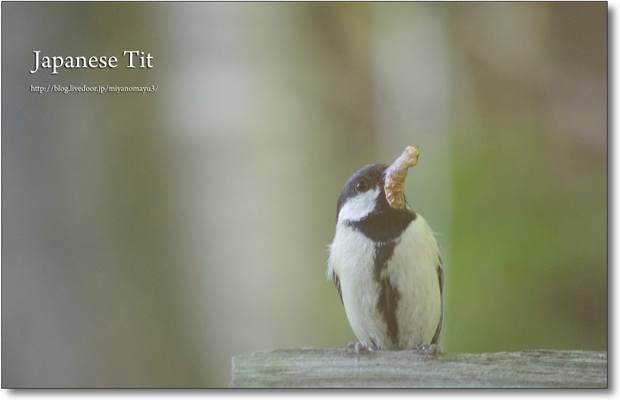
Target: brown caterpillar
<point>395,177</point>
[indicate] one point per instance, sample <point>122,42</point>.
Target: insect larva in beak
<point>395,177</point>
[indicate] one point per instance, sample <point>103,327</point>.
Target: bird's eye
<point>361,186</point>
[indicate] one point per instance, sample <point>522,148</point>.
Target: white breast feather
<point>412,269</point>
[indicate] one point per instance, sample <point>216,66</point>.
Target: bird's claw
<point>427,349</point>
<point>361,347</point>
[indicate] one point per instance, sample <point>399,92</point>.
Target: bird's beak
<point>395,177</point>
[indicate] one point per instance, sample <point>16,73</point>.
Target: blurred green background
<point>148,238</point>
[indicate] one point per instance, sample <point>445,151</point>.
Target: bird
<point>385,262</point>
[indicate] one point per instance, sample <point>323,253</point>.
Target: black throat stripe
<point>387,303</point>
<point>384,226</point>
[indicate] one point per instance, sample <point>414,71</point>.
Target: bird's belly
<point>412,274</point>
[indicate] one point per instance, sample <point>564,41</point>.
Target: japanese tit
<point>385,262</point>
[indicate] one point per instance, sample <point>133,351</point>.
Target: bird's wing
<point>337,283</point>
<point>440,276</point>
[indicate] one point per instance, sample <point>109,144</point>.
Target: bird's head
<point>372,201</point>
<point>376,189</point>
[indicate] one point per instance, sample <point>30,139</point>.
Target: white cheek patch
<point>359,206</point>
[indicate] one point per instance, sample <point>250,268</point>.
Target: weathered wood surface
<point>333,368</point>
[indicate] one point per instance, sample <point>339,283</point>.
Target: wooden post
<point>333,368</point>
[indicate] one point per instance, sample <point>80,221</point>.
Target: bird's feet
<point>361,347</point>
<point>427,349</point>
